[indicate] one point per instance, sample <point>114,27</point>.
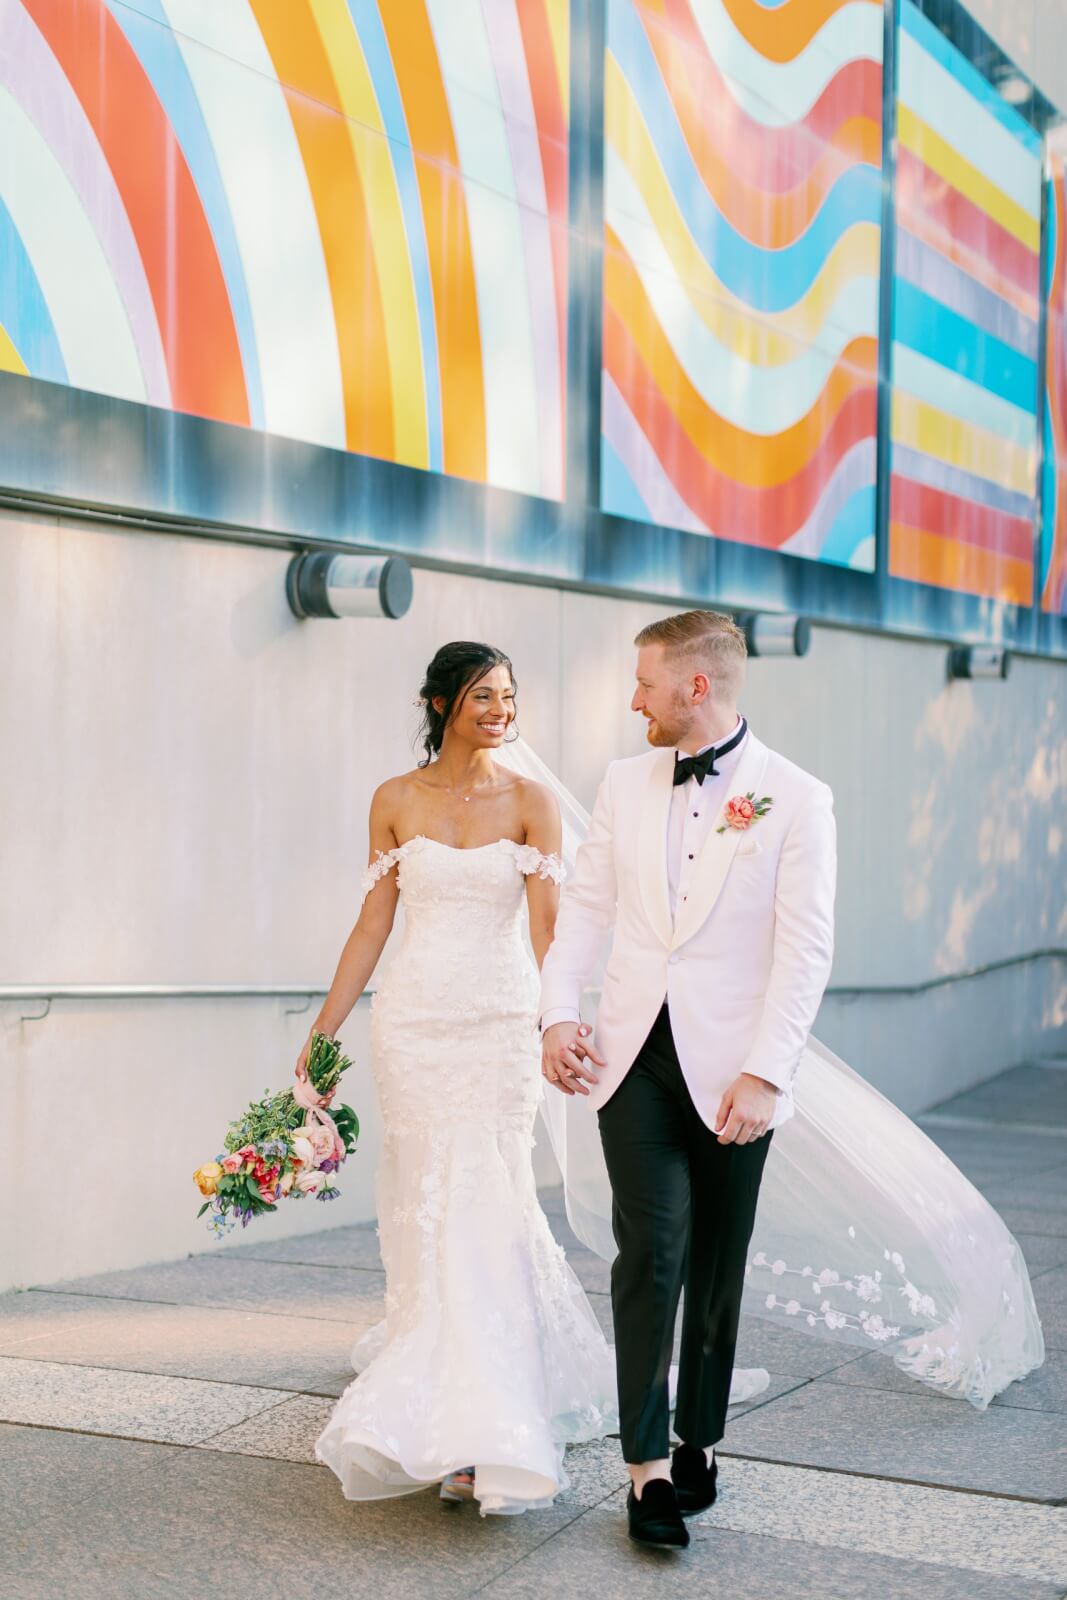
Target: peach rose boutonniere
<point>743,810</point>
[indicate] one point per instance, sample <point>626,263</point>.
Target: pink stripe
<point>627,438</point>
<point>34,78</point>
<point>516,102</point>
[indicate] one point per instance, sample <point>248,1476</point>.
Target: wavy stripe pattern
<point>741,258</point>
<point>343,221</point>
<point>1053,583</point>
<point>965,327</point>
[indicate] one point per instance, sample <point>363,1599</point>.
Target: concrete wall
<point>186,778</point>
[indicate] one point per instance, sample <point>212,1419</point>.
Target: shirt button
<point>690,856</point>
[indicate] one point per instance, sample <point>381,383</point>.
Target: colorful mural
<point>741,272</point>
<point>1053,576</point>
<point>340,221</point>
<point>965,326</point>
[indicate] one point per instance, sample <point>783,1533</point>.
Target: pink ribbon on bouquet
<point>305,1094</point>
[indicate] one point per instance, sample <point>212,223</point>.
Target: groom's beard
<point>672,728</point>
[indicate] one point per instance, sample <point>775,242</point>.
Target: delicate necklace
<point>487,783</point>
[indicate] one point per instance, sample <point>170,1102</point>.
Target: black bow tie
<point>703,765</point>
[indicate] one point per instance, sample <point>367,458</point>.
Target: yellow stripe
<point>762,338</point>
<point>961,444</point>
<point>10,360</point>
<point>918,137</point>
<point>558,13</point>
<point>388,240</point>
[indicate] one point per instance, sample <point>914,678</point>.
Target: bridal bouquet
<point>285,1147</point>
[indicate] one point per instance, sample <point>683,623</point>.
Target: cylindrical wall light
<point>324,584</point>
<point>769,635</point>
<point>978,661</point>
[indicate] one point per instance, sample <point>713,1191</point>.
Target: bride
<point>490,1360</point>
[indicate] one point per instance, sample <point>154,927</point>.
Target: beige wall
<point>186,779</point>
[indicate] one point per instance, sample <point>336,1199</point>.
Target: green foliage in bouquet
<point>277,1151</point>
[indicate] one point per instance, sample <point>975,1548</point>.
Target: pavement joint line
<point>189,1305</point>
<point>889,1477</point>
<point>151,1372</point>
<point>204,1443</point>
<point>946,1119</point>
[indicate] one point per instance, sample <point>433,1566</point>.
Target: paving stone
<point>131,1405</point>
<point>242,1284</point>
<point>284,1433</point>
<point>1034,1219</point>
<point>893,1519</point>
<point>985,1155</point>
<point>593,1556</point>
<point>1043,1251</point>
<point>308,1354</point>
<point>1022,1094</point>
<point>188,1522</point>
<point>1050,1296</point>
<point>355,1247</point>
<point>914,1438</point>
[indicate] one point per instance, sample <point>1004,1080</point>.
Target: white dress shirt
<point>695,808</point>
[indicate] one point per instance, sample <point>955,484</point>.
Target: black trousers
<point>684,1207</point>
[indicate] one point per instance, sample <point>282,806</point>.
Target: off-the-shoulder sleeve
<point>384,862</point>
<point>530,860</point>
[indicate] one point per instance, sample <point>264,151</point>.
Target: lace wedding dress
<point>490,1352</point>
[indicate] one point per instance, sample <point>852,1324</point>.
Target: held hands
<point>302,1071</point>
<point>745,1110</point>
<point>566,1057</point>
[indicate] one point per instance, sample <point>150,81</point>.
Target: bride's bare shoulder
<point>538,801</point>
<point>394,791</point>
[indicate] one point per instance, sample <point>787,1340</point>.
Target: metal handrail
<point>242,991</point>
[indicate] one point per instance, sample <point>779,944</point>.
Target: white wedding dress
<point>490,1353</point>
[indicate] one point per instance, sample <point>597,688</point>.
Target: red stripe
<point>161,201</point>
<point>772,159</point>
<point>917,505</point>
<point>730,510</point>
<point>922,193</point>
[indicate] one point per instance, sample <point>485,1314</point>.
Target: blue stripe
<point>853,524</point>
<point>939,333</point>
<point>368,26</point>
<point>935,44</point>
<point>618,493</point>
<point>152,39</point>
<point>937,474</point>
<point>23,309</point>
<point>1048,503</point>
<point>767,280</point>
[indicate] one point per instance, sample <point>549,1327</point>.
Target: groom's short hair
<point>706,639</point>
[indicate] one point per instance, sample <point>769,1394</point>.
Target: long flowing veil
<point>865,1233</point>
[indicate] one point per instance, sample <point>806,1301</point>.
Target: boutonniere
<point>743,810</point>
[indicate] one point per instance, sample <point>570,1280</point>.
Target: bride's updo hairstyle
<point>453,670</point>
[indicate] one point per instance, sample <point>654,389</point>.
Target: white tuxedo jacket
<point>744,965</point>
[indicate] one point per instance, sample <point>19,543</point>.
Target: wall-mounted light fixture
<point>767,634</point>
<point>324,584</point>
<point>978,661</point>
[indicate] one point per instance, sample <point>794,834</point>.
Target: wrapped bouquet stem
<point>285,1146</point>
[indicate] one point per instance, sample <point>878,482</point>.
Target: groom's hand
<point>566,1057</point>
<point>745,1110</point>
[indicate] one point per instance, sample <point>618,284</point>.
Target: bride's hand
<point>302,1072</point>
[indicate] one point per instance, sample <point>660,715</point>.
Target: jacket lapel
<point>719,848</point>
<point>652,845</point>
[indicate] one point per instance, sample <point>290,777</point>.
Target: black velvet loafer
<point>655,1518</point>
<point>693,1479</point>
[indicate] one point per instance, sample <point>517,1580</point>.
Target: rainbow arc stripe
<point>343,221</point>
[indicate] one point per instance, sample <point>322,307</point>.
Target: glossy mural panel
<point>336,221</point>
<point>1052,579</point>
<point>742,185</point>
<point>966,305</point>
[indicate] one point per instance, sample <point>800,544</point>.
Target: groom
<point>710,862</point>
